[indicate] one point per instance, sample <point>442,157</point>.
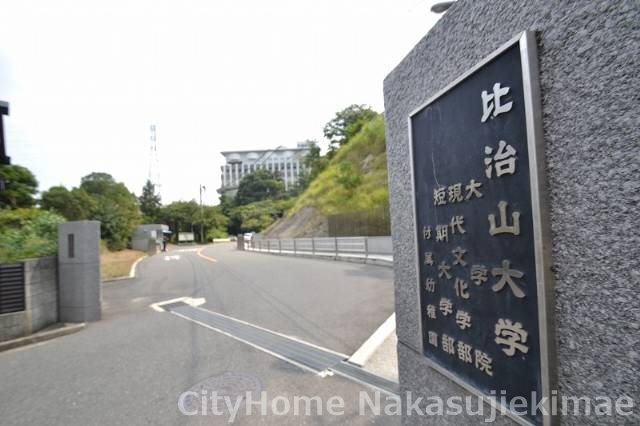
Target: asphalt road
<point>132,367</point>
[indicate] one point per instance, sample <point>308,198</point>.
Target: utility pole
<point>4,110</point>
<point>202,188</point>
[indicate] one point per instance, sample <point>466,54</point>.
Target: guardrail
<point>376,250</point>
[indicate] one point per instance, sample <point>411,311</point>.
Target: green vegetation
<point>345,125</point>
<point>28,232</point>
<point>116,208</point>
<point>260,201</point>
<point>186,216</point>
<point>150,204</point>
<point>255,217</point>
<point>355,178</point>
<point>73,205</point>
<point>20,187</point>
<point>259,186</point>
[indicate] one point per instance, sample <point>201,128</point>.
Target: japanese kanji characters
<point>430,285</point>
<point>456,193</point>
<point>459,252</point>
<point>448,344</point>
<point>464,352</point>
<point>463,319</point>
<point>431,311</point>
<point>426,232</point>
<point>484,362</point>
<point>443,269</point>
<point>504,228</point>
<point>504,161</point>
<point>512,336</point>
<point>478,274</point>
<point>506,278</point>
<point>446,307</point>
<point>462,288</point>
<point>456,224</point>
<point>492,102</point>
<point>428,258</point>
<point>442,233</point>
<point>439,196</point>
<point>472,190</point>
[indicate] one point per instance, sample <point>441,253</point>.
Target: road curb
<point>42,336</point>
<point>132,271</point>
<point>368,348</point>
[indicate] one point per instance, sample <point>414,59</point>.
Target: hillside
<point>354,181</point>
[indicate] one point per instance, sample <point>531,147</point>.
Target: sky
<point>86,79</point>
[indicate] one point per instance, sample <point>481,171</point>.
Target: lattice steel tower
<point>154,163</point>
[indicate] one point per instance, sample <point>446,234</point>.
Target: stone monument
<point>80,292</point>
<point>512,142</point>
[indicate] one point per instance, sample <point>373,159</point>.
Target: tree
<point>314,164</point>
<point>20,187</point>
<point>213,221</point>
<point>257,216</point>
<point>346,124</point>
<point>150,203</point>
<point>259,185</point>
<point>180,215</point>
<point>73,205</point>
<point>116,208</point>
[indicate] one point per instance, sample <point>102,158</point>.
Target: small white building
<point>287,161</point>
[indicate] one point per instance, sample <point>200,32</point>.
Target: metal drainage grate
<point>297,352</point>
<point>356,373</point>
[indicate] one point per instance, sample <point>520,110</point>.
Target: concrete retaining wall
<point>41,296</point>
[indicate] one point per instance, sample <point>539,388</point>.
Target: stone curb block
<point>41,336</point>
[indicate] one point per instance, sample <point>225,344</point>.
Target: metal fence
<point>363,247</point>
<point>365,223</point>
<point>12,294</point>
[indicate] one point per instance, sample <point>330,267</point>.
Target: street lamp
<point>202,188</point>
<point>441,7</point>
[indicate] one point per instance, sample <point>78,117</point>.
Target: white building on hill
<point>287,161</point>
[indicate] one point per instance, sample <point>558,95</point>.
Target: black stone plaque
<point>475,213</point>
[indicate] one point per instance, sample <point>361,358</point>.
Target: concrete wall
<point>589,57</point>
<point>41,293</point>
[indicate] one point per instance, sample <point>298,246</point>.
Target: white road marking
<point>187,300</point>
<point>132,272</point>
<point>172,257</point>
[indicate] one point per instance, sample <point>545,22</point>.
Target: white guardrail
<point>377,250</point>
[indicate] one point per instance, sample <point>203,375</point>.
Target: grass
<point>328,194</point>
<point>116,264</point>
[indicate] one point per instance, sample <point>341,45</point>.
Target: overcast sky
<point>86,79</point>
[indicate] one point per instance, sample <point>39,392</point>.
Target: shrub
<point>27,233</point>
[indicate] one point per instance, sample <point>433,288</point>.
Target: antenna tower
<point>154,163</point>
